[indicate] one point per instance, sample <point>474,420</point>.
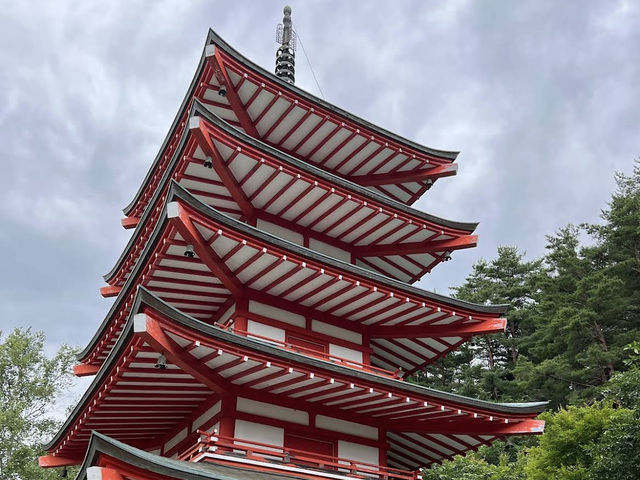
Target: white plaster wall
<point>206,416</point>
<point>265,330</point>
<point>214,428</point>
<point>181,435</point>
<point>272,411</point>
<point>281,232</point>
<point>337,332</point>
<point>226,315</point>
<point>258,432</point>
<point>277,313</point>
<point>329,250</point>
<point>344,352</point>
<point>357,452</point>
<point>343,426</point>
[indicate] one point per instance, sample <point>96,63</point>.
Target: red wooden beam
<point>205,253</point>
<point>493,325</point>
<point>199,130</point>
<point>48,461</point>
<point>149,329</point>
<point>83,370</point>
<point>472,426</point>
<point>130,222</point>
<point>234,98</point>
<point>110,291</point>
<point>463,241</point>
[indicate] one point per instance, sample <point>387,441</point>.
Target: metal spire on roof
<point>286,54</point>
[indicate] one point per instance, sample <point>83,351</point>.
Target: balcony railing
<point>261,456</point>
<point>314,353</point>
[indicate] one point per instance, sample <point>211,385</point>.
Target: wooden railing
<point>313,353</point>
<point>235,449</point>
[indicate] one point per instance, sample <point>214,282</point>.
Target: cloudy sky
<point>542,99</point>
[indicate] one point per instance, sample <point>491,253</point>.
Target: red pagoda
<point>264,318</point>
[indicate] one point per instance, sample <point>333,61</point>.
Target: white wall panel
<point>343,426</point>
<point>337,332</point>
<point>277,313</point>
<point>181,435</point>
<point>265,330</point>
<point>329,250</point>
<point>280,232</point>
<point>344,352</point>
<point>272,411</point>
<point>260,433</point>
<point>358,452</point>
<point>206,416</point>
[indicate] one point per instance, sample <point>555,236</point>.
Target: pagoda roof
<point>374,155</point>
<point>205,362</point>
<point>242,260</point>
<point>261,182</point>
<point>100,444</point>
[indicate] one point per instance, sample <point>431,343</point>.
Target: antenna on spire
<point>286,54</point>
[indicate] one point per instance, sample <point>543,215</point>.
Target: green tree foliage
<point>30,383</point>
<point>485,368</point>
<point>574,339</point>
<point>565,450</point>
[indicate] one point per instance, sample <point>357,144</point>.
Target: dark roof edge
<point>145,298</point>
<point>214,38</point>
<point>153,238</point>
<point>180,192</point>
<point>175,190</point>
<point>150,462</point>
<point>215,332</point>
<point>202,110</point>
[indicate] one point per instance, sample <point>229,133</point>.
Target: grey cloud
<point>540,97</point>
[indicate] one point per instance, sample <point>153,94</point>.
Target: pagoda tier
<point>308,128</point>
<point>238,271</point>
<point>109,459</point>
<point>253,396</point>
<point>290,198</point>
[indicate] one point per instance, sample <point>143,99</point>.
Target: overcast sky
<point>542,99</point>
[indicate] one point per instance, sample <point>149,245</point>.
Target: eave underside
<point>255,183</point>
<point>288,118</point>
<point>133,402</point>
<point>235,264</point>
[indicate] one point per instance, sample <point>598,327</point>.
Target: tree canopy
<point>573,339</point>
<point>30,384</point>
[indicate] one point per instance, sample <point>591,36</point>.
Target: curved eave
<point>178,192</point>
<point>100,444</point>
<point>201,110</point>
<point>145,298</point>
<point>215,39</point>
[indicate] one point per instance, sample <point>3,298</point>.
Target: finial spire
<point>286,54</point>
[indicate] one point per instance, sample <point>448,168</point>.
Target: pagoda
<point>264,319</point>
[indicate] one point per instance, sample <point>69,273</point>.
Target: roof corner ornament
<point>286,53</point>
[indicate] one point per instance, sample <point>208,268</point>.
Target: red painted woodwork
<point>138,402</point>
<point>312,446</point>
<point>83,370</point>
<point>307,345</point>
<point>313,456</point>
<point>110,291</point>
<point>130,222</point>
